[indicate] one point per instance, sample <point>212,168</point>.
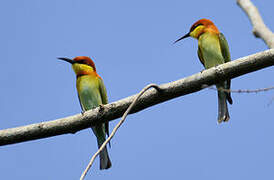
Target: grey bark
<point>259,28</point>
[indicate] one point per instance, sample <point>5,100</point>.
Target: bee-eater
<point>91,93</point>
<point>213,50</point>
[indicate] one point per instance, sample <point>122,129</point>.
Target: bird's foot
<point>101,108</point>
<point>83,113</point>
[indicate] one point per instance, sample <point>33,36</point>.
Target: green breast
<point>88,92</point>
<point>210,50</point>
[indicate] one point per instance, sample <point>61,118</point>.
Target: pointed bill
<point>67,60</point>
<point>185,36</point>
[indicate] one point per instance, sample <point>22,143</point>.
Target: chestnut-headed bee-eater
<point>213,50</point>
<point>91,93</point>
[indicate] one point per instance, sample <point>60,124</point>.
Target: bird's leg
<point>83,112</point>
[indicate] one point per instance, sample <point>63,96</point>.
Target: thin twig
<point>260,30</point>
<point>241,90</point>
<point>117,127</point>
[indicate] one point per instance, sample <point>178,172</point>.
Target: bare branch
<point>259,28</point>
<point>151,97</point>
<point>117,126</point>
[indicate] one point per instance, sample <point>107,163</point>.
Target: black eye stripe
<point>194,27</point>
<point>81,62</point>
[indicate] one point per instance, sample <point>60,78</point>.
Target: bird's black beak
<point>185,36</point>
<point>68,60</point>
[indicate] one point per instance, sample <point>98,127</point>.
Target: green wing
<point>103,91</point>
<point>104,97</point>
<point>224,47</point>
<point>200,55</point>
<point>226,56</point>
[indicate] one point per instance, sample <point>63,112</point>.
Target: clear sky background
<point>131,45</point>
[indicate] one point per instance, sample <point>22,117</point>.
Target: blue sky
<point>131,45</point>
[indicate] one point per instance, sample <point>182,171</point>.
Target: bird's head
<point>81,65</point>
<point>200,27</point>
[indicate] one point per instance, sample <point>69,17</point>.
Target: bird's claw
<point>101,107</point>
<point>83,113</point>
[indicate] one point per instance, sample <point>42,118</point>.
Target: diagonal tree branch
<point>259,28</point>
<point>151,97</point>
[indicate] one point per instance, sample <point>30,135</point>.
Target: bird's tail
<point>223,115</point>
<point>105,162</point>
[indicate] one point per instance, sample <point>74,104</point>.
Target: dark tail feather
<point>228,98</point>
<point>223,115</point>
<point>105,162</point>
<point>228,94</point>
